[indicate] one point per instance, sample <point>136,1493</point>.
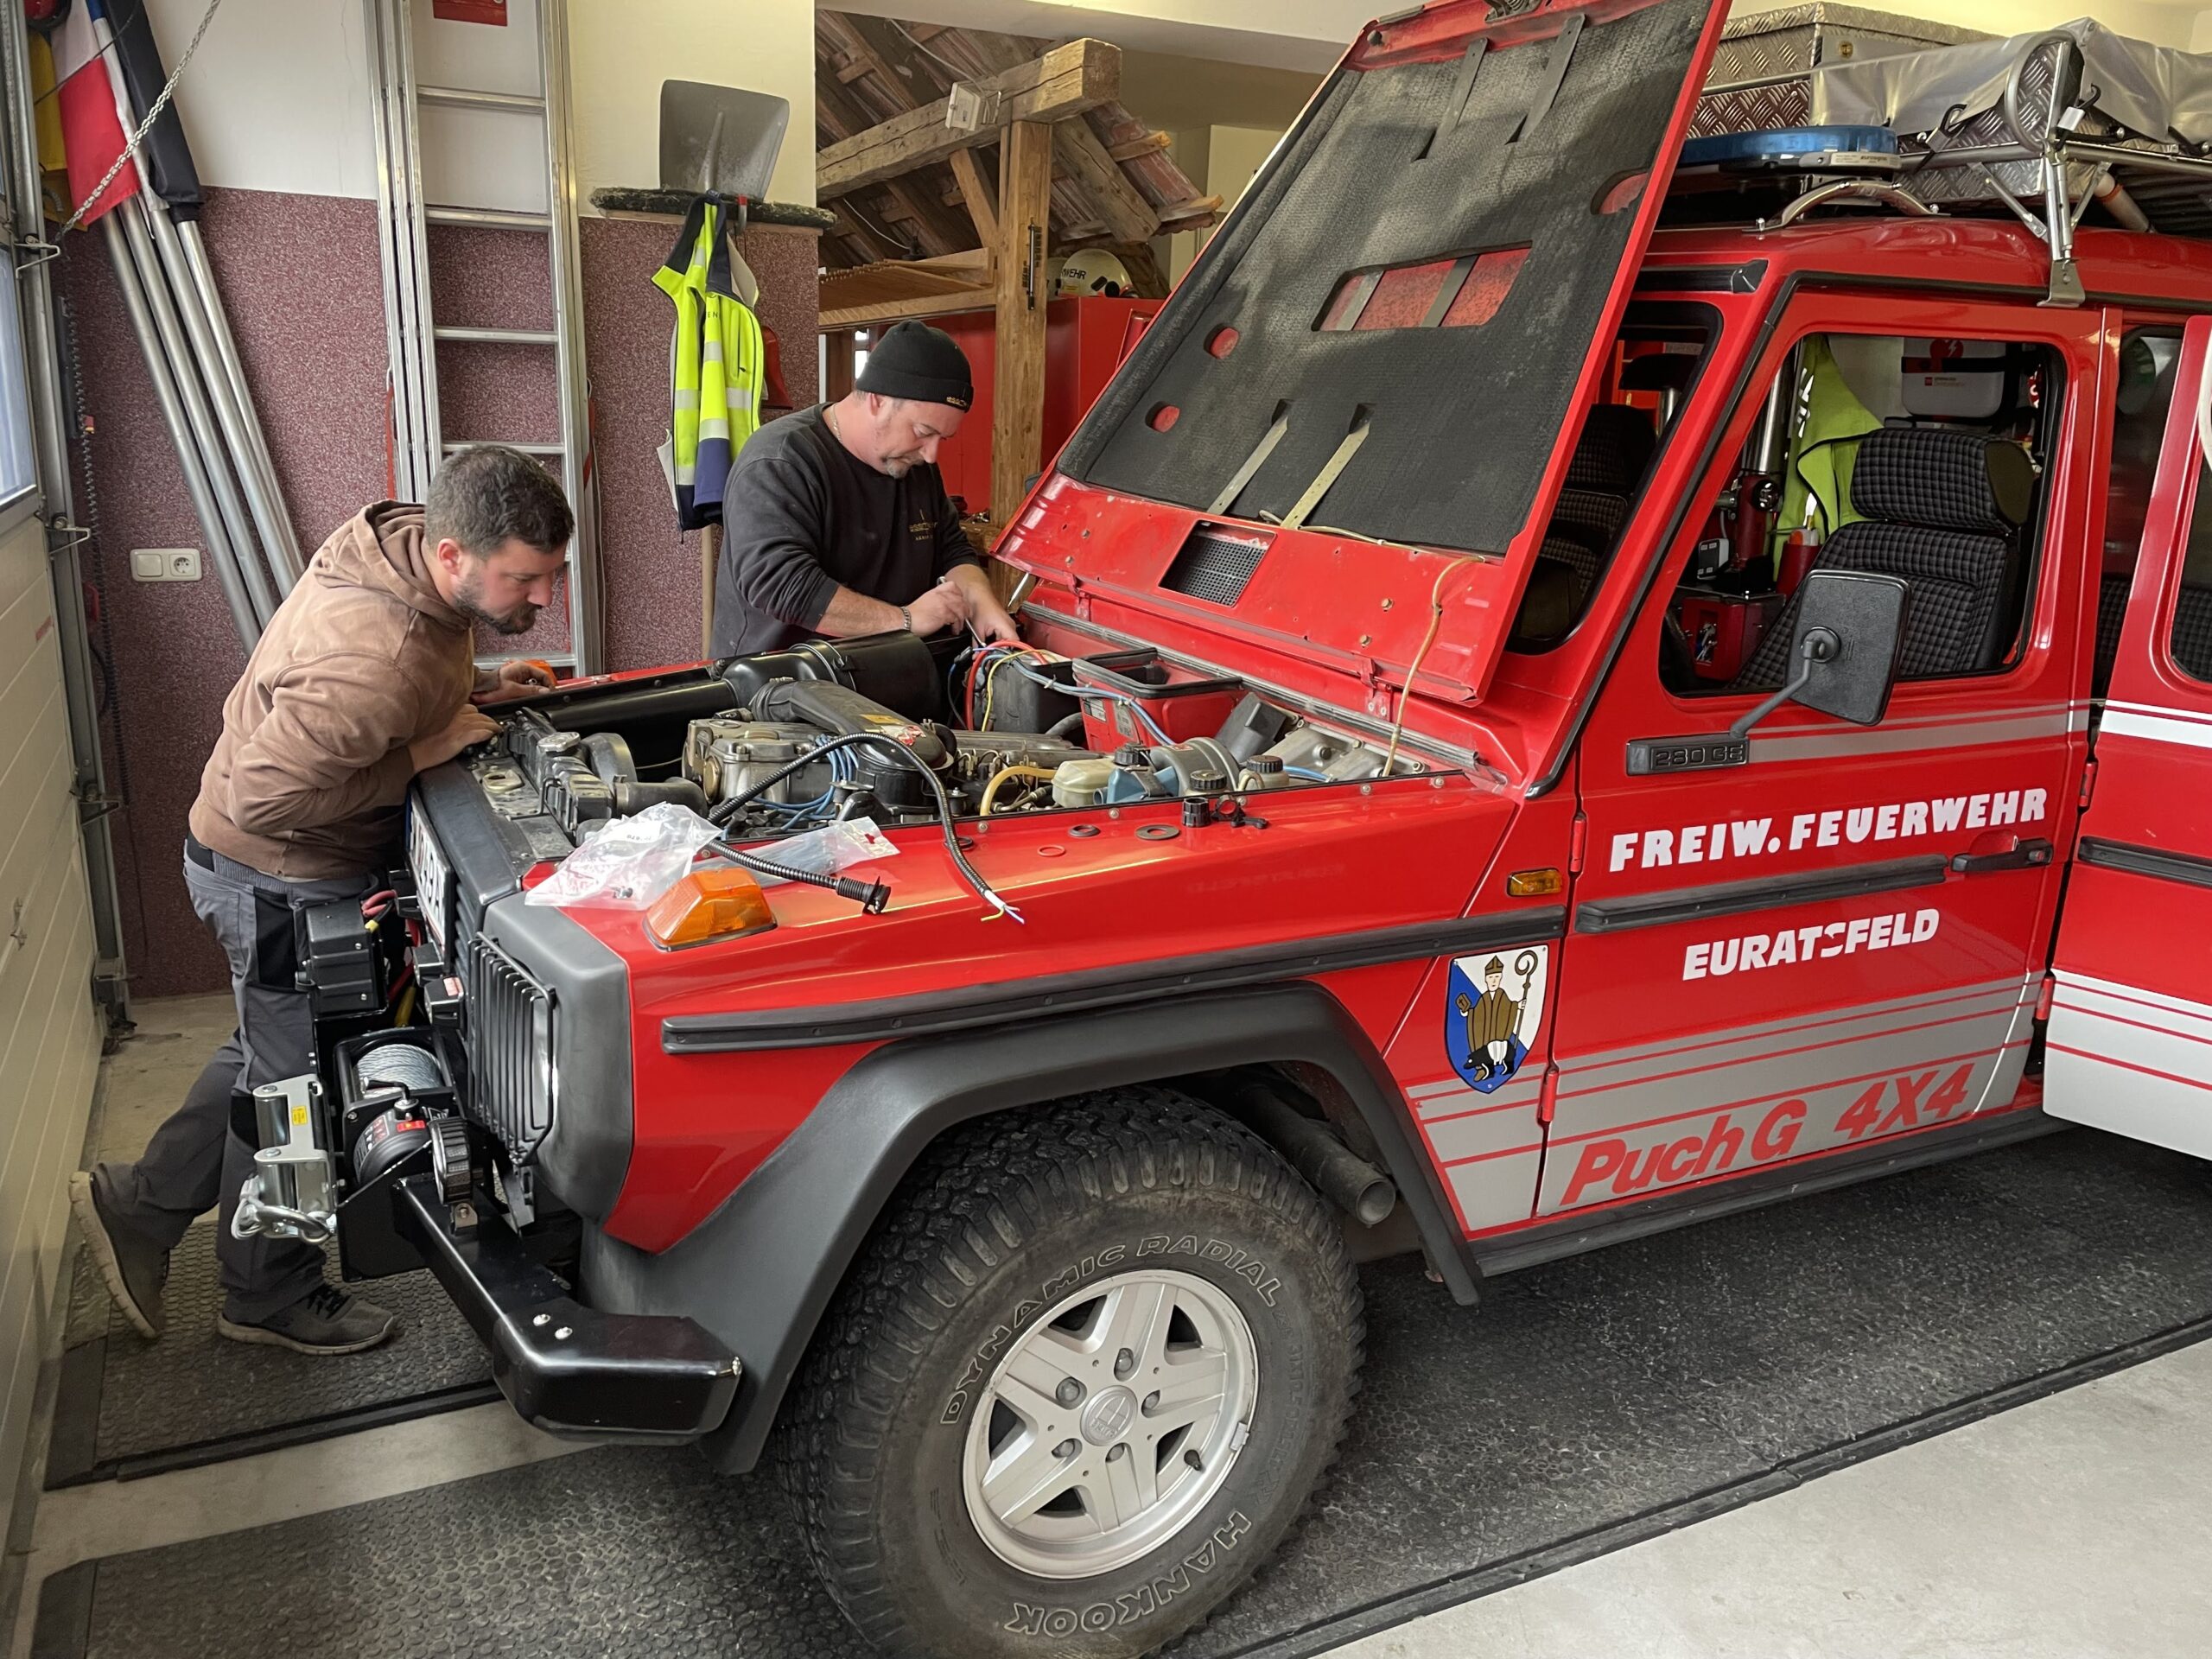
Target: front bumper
<point>566,1368</point>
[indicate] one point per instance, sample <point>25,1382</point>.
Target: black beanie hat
<point>915,361</point>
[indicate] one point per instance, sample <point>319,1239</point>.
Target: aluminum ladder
<point>419,438</point>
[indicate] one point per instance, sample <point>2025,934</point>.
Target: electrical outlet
<point>165,564</point>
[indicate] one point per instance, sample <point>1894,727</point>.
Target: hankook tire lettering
<point>1098,1617</point>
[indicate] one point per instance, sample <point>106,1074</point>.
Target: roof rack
<point>2040,126</point>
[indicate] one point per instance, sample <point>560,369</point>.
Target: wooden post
<point>838,379</point>
<point>710,554</point>
<point>1018,390</point>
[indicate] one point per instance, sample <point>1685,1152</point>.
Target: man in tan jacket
<point>364,678</point>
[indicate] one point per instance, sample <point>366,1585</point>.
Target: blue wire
<point>1080,691</point>
<point>1307,772</point>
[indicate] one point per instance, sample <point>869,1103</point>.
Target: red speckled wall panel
<point>302,280</point>
<point>652,568</point>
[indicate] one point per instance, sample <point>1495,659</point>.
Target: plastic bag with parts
<point>627,863</point>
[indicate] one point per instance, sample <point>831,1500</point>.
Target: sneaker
<point>133,1271</point>
<point>324,1321</point>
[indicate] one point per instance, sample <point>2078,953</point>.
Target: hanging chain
<point>131,148</point>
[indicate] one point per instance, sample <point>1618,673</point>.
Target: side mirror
<point>1850,635</point>
<point>1844,652</point>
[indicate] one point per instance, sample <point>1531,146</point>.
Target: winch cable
<point>726,810</point>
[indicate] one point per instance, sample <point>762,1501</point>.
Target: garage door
<point>49,1036</point>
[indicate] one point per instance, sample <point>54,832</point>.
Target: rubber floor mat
<point>1643,1386</point>
<point>130,1407</point>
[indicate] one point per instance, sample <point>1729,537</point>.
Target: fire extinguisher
<point>1799,549</point>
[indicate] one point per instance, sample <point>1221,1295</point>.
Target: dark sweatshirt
<point>801,515</point>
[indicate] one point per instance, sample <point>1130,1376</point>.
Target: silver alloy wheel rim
<point>1111,1422</point>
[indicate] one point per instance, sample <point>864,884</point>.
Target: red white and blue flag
<point>94,105</point>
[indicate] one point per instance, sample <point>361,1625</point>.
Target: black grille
<point>510,1050</point>
<point>1214,564</point>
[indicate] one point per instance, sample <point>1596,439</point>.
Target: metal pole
<point>218,365</point>
<point>200,418</point>
<point>188,452</point>
<point>211,296</point>
<point>110,979</point>
<point>587,612</point>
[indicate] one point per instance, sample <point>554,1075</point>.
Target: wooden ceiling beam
<point>1064,82</point>
<point>1129,150</point>
<point>1127,215</point>
<point>977,194</point>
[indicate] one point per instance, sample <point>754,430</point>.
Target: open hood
<point>1388,337</point>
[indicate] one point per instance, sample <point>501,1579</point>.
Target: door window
<point>2190,640</point>
<point>1912,456</point>
<point>1655,363</point>
<point>2147,356</point>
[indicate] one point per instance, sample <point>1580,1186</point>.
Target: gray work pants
<point>194,1162</point>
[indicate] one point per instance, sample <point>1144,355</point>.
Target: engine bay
<point>889,728</point>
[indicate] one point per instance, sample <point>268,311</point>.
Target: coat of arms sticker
<point>1492,1010</point>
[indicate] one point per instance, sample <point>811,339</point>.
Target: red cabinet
<point>1086,341</point>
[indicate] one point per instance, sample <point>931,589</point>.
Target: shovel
<point>723,141</point>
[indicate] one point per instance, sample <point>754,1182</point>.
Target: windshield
<point>1387,336</point>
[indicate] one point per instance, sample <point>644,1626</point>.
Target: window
<point>1656,358</point>
<point>2191,640</point>
<point>2146,391</point>
<point>1918,458</point>
<point>18,462</point>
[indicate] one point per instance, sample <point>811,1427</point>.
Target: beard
<point>898,466</point>
<point>469,599</point>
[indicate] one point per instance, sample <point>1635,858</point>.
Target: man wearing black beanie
<point>836,521</point>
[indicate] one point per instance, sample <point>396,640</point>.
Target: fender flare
<point>759,1272</point>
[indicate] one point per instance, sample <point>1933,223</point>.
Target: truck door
<point>2129,1040</point>
<point>1833,934</point>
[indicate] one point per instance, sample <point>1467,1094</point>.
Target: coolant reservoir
<point>1081,782</point>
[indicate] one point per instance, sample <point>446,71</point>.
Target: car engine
<point>775,744</point>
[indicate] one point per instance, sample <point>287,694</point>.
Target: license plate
<point>433,880</point>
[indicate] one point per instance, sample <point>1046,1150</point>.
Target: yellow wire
<point>991,677</point>
<point>991,789</point>
<point>1435,617</point>
<point>406,1005</point>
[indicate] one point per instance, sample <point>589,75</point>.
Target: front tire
<point>1079,1385</point>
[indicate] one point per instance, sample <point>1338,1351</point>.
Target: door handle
<point>2020,856</point>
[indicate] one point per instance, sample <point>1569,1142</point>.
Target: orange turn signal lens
<point>1535,884</point>
<point>721,903</point>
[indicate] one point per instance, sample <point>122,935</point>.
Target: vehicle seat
<point>1941,507</point>
<point>2112,612</point>
<point>2191,645</point>
<point>1603,475</point>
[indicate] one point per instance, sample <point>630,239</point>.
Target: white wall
<point>1221,161</point>
<point>2163,25</point>
<point>50,1032</point>
<point>278,96</point>
<point>622,51</point>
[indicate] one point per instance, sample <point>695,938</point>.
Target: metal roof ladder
<point>418,435</point>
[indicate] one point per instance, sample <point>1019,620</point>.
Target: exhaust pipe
<point>1315,1151</point>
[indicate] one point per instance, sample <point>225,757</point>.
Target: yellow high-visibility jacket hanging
<point>717,363</point>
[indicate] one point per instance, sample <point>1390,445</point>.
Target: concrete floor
<point>2074,1527</point>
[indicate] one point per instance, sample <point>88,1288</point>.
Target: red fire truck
<point>1580,679</point>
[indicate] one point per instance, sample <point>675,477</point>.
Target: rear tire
<point>977,1465</point>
